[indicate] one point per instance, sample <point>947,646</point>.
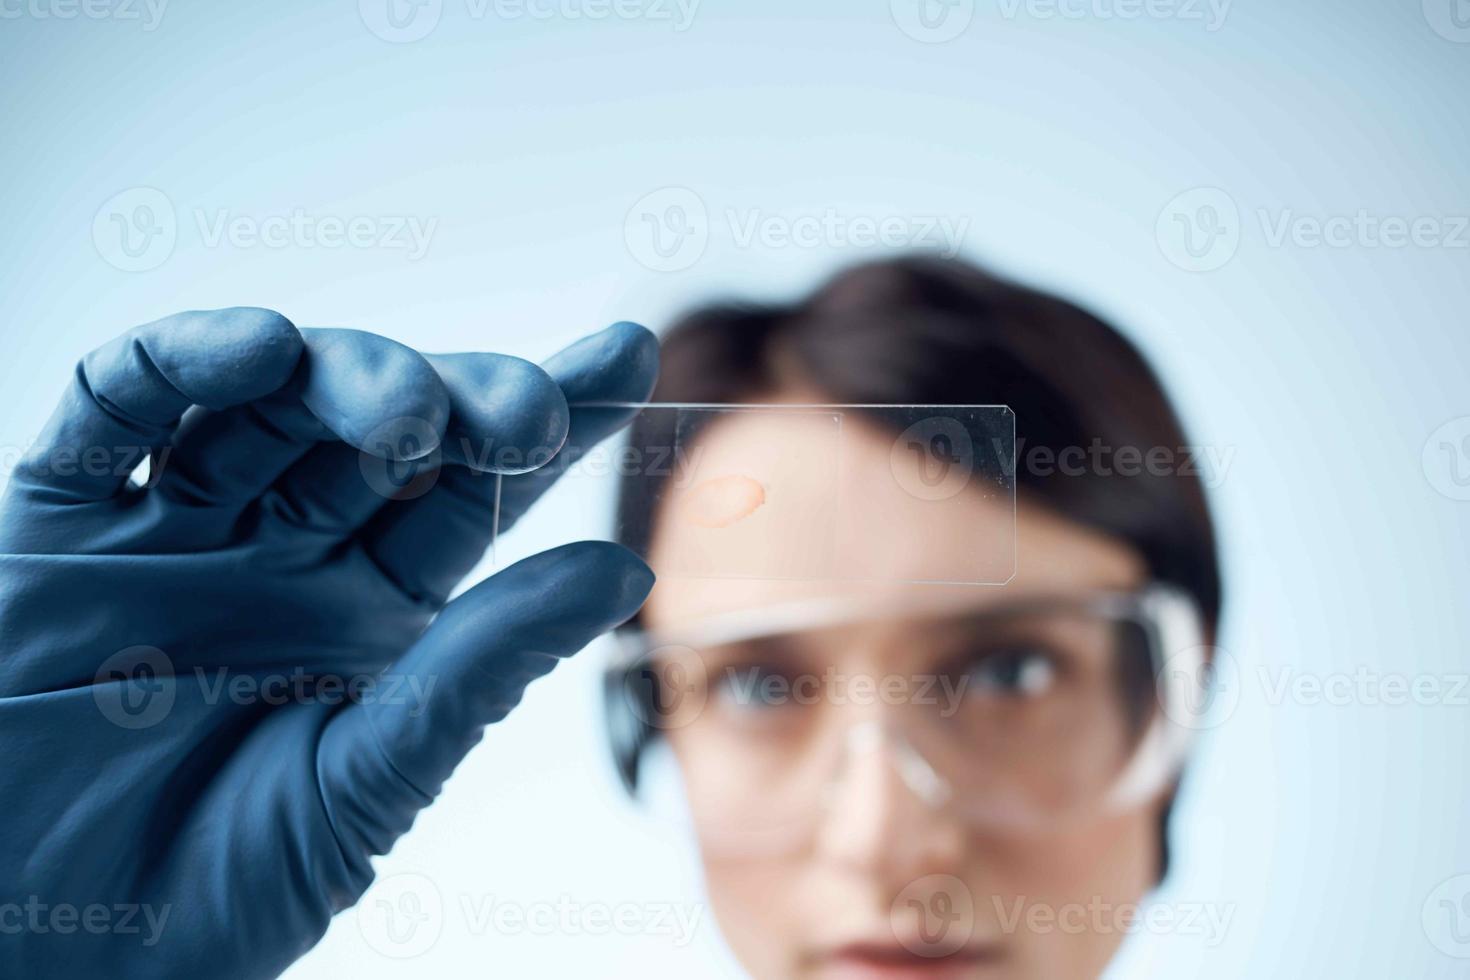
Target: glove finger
<point>429,543</point>
<point>370,392</point>
<point>619,364</point>
<point>383,760</point>
<point>509,414</point>
<point>127,396</point>
<point>325,491</point>
<point>505,415</point>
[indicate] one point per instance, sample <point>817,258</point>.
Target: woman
<point>999,797</point>
<point>248,669</point>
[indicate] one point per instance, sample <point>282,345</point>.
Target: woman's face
<point>852,785</point>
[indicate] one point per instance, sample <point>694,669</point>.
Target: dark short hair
<point>923,330</point>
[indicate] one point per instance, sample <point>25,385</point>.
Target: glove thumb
<point>381,761</point>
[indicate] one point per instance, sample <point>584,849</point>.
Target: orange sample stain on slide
<point>723,501</point>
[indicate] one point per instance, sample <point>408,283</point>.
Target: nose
<point>886,812</point>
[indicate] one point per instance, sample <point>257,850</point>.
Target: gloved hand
<point>222,692</point>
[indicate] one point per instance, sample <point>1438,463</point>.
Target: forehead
<point>771,508</point>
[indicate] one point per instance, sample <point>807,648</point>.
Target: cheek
<point>752,902</point>
<point>1117,854</point>
<point>754,897</point>
<point>1057,900</point>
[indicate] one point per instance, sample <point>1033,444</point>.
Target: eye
<point>753,688</point>
<point>1021,672</point>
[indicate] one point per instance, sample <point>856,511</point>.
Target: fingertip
<point>640,346</point>
<point>376,394</point>
<point>213,358</point>
<point>513,414</point>
<point>605,579</point>
<point>618,363</point>
<point>540,419</point>
<point>624,579</point>
<point>610,561</point>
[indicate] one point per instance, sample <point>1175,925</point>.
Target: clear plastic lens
<point>1015,719</point>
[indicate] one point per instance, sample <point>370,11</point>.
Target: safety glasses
<point>1022,715</point>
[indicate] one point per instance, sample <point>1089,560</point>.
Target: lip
<point>889,961</point>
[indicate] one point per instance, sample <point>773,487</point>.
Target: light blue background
<point>1320,371</point>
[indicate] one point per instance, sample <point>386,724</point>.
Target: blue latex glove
<point>177,770</point>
